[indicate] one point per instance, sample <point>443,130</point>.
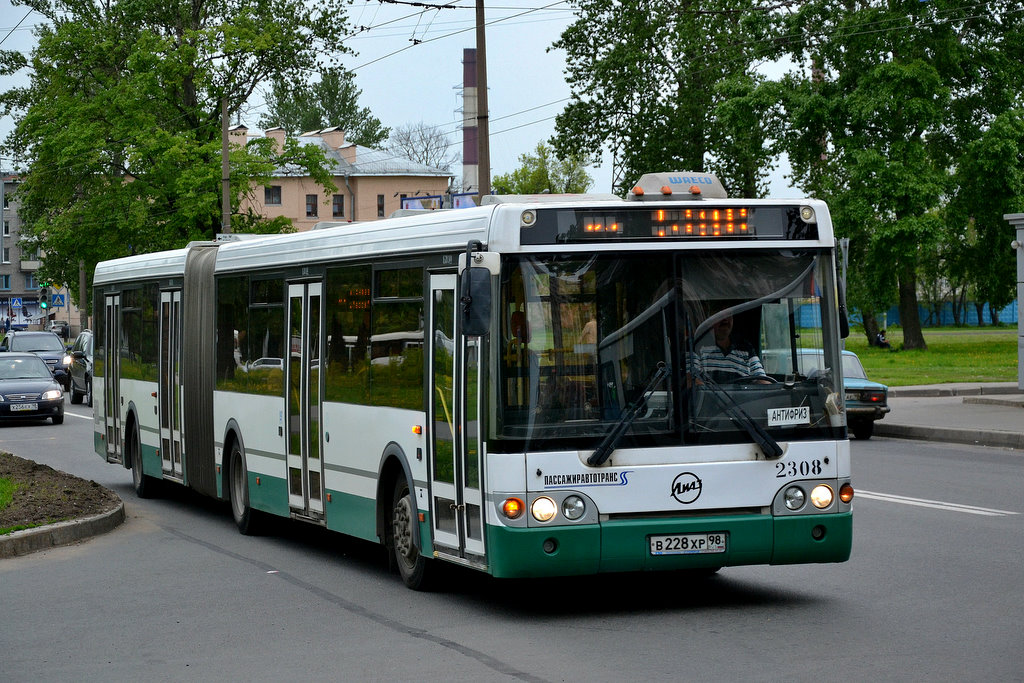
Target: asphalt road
<point>933,592</point>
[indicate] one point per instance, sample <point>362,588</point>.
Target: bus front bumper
<point>624,545</point>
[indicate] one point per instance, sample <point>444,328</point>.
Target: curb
<point>953,390</point>
<point>62,533</point>
<point>973,437</point>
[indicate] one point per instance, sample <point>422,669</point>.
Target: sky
<point>407,82</point>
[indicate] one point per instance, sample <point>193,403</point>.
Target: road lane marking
<point>81,417</point>
<point>936,504</point>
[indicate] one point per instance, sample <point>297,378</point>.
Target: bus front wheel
<point>145,485</point>
<point>245,517</point>
<point>413,567</point>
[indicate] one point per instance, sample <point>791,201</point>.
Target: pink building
<point>371,183</point>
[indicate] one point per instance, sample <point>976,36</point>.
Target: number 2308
<point>802,468</point>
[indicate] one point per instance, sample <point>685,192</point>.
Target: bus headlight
<point>573,507</point>
<point>543,509</point>
<point>794,497</point>
<point>822,496</point>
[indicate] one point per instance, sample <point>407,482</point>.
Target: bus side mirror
<point>477,267</point>
<point>475,300</point>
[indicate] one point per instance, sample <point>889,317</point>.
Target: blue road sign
<point>57,300</point>
<point>16,302</point>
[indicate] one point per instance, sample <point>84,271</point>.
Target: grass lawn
<point>954,354</point>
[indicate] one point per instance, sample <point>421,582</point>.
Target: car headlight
<point>52,394</point>
<point>67,360</point>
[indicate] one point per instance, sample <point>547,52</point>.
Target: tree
<point>543,172</point>
<point>989,183</point>
<point>299,106</point>
<point>119,127</point>
<point>888,97</point>
<point>648,80</point>
<point>423,144</point>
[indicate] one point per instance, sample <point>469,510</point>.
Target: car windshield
<point>583,338</point>
<point>36,342</point>
<point>23,368</point>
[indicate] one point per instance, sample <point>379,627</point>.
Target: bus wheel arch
<point>236,484</point>
<point>398,519</point>
<point>144,485</point>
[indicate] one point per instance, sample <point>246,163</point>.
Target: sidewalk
<point>985,414</point>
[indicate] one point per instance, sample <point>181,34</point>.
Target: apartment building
<point>19,286</point>
<point>371,183</point>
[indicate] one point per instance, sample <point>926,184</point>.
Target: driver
<point>724,361</point>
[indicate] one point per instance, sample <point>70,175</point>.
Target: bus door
<point>111,375</point>
<point>169,397</point>
<point>456,504</point>
<point>303,402</point>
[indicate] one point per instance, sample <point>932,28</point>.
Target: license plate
<point>688,544</point>
<point>15,407</point>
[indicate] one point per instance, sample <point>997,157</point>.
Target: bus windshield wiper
<point>769,446</point>
<point>604,450</point>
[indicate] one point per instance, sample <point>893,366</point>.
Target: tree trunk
<point>913,338</point>
<point>871,328</point>
<point>980,308</point>
<point>993,314</point>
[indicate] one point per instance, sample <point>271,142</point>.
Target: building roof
<point>367,161</point>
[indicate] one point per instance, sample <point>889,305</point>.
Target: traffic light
<point>44,297</point>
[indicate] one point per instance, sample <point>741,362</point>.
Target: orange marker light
<point>513,508</point>
<point>417,429</point>
<point>846,493</point>
<point>666,190</point>
<point>694,189</point>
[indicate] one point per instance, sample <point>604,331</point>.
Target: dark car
<point>28,390</point>
<point>47,346</point>
<point>81,368</point>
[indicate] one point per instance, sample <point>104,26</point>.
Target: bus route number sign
<point>688,544</point>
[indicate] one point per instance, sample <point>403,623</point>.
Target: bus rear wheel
<point>412,566</point>
<point>245,517</point>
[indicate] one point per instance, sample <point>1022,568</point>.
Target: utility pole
<point>1017,221</point>
<point>482,130</point>
<point>83,299</point>
<point>225,171</point>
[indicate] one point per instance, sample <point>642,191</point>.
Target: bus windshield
<point>583,336</point>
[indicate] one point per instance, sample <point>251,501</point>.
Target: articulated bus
<point>522,388</point>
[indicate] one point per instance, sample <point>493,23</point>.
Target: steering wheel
<point>754,378</point>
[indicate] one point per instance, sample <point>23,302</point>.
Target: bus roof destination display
<point>568,226</point>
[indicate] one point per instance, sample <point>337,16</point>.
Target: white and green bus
<point>517,387</point>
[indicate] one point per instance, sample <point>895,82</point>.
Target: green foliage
<point>7,488</point>
<point>541,172</point>
<point>298,106</point>
<point>648,80</point>
<point>119,127</point>
<point>884,109</point>
<point>989,183</point>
